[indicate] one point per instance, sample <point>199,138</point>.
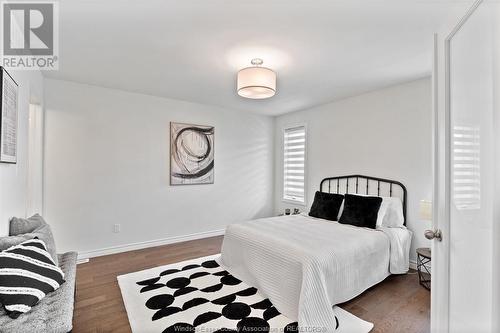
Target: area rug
<point>200,295</point>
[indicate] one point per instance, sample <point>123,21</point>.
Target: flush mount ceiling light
<point>256,82</point>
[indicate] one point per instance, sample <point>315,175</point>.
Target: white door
<point>465,291</point>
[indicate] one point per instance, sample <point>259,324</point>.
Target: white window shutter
<point>294,164</point>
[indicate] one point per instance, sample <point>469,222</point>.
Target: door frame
<point>440,287</point>
<point>34,180</point>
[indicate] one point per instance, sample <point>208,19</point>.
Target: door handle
<point>434,234</point>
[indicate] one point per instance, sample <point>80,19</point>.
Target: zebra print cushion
<point>27,274</point>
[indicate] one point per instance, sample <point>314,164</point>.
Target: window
<point>294,156</point>
<point>466,171</point>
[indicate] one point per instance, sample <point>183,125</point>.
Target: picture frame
<point>9,94</point>
<point>192,154</point>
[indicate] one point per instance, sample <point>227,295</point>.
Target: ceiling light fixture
<point>256,82</point>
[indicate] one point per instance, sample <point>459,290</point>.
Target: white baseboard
<point>84,256</point>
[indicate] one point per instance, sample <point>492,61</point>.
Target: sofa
<point>54,313</point>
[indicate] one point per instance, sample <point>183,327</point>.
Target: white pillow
<point>382,211</point>
<point>393,213</point>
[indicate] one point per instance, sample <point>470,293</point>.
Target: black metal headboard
<point>360,184</point>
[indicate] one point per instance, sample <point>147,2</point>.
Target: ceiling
<point>192,49</point>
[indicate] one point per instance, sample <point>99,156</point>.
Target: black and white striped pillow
<point>27,274</point>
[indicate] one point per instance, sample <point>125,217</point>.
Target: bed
<point>306,265</point>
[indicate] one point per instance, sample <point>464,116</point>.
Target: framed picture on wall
<point>191,154</point>
<point>8,119</point>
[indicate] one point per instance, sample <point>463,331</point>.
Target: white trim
<point>85,255</point>
<point>82,261</point>
<point>34,183</point>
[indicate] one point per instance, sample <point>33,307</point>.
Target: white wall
<point>386,133</point>
<point>14,194</point>
<point>107,161</point>
<point>496,205</point>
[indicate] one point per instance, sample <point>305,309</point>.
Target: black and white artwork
<point>8,118</point>
<point>191,154</point>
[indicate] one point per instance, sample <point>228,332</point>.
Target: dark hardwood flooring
<point>398,304</point>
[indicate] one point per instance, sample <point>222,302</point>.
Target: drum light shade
<point>256,82</point>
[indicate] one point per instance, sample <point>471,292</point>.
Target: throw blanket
<point>305,265</point>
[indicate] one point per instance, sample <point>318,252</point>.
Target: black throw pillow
<point>326,205</point>
<point>360,211</point>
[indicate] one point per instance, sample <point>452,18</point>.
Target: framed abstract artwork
<point>191,154</point>
<point>8,117</point>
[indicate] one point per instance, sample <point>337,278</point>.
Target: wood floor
<point>399,304</point>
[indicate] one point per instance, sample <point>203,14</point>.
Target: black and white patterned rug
<point>199,295</point>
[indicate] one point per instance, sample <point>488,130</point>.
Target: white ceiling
<point>192,49</point>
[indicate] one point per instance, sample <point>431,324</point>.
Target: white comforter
<point>305,265</point>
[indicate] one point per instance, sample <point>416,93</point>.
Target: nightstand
<point>423,259</point>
